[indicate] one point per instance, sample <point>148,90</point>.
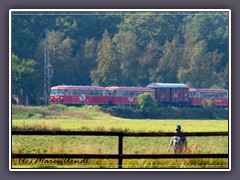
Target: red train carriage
<point>96,95</point>
<point>126,95</point>
<point>78,95</point>
<point>219,96</point>
<point>170,93</point>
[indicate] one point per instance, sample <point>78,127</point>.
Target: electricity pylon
<point>47,69</point>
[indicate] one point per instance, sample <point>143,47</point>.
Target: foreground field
<point>91,119</point>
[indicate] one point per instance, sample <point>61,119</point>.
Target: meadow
<point>90,118</point>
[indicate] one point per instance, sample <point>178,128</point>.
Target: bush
<point>147,105</point>
<point>208,104</point>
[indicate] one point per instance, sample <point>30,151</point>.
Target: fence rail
<point>120,156</point>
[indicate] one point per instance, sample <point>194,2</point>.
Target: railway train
<point>166,94</point>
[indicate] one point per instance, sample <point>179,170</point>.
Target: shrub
<point>208,104</point>
<point>147,105</point>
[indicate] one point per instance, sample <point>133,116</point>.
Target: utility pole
<point>47,69</point>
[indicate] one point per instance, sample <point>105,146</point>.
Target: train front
<point>58,94</point>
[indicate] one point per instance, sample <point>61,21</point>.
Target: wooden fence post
<point>120,150</point>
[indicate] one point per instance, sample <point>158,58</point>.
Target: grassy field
<point>92,119</point>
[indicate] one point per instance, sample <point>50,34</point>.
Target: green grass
<point>92,119</point>
<point>118,124</point>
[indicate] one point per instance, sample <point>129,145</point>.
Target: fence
<point>120,156</point>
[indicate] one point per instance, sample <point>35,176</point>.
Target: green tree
<point>147,64</point>
<point>147,104</point>
<point>149,26</point>
<point>170,62</point>
<point>86,61</point>
<point>107,71</point>
<point>61,58</point>
<point>125,43</point>
<point>22,81</point>
<point>200,71</point>
<point>212,28</point>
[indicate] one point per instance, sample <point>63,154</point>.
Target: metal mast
<point>47,69</point>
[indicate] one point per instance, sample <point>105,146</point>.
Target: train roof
<point>167,85</point>
<point>102,88</point>
<point>129,88</point>
<point>79,87</point>
<point>207,90</point>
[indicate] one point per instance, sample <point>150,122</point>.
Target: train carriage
<point>126,95</point>
<point>170,93</point>
<point>218,96</point>
<point>71,95</point>
<point>78,95</point>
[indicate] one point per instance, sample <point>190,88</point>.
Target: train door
<point>174,95</point>
<point>161,95</point>
<point>165,95</point>
<point>110,97</point>
<point>158,94</point>
<point>69,96</point>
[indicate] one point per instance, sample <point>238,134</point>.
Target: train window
<point>99,93</point>
<point>131,93</point>
<point>195,94</point>
<point>138,92</point>
<point>92,93</point>
<point>105,93</point>
<point>111,93</point>
<point>191,94</point>
<point>62,92</point>
<point>96,93</point>
<point>209,95</point>
<point>118,93</point>
<point>202,95</point>
<point>75,92</point>
<point>221,95</point>
<point>80,93</point>
<point>69,92</point>
<point>125,93</point>
<point>54,92</point>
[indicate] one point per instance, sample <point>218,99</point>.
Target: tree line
<point>119,49</point>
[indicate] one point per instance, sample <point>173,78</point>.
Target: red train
<point>96,94</point>
<point>218,96</point>
<point>165,93</point>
